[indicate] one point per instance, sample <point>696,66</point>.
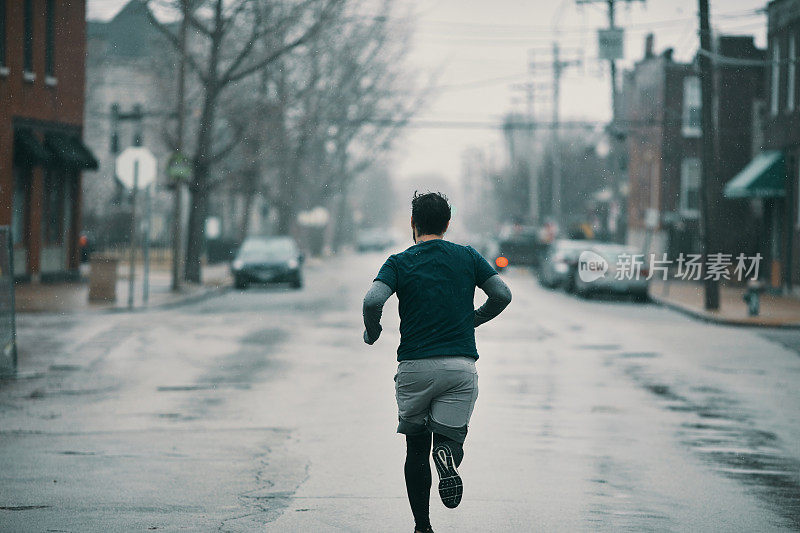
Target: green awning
<point>69,151</point>
<point>763,177</point>
<point>28,149</point>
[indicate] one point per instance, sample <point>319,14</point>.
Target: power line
<point>741,62</point>
<point>748,13</point>
<point>630,126</point>
<point>479,83</point>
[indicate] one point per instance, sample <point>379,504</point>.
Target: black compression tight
<point>418,472</point>
<point>456,447</point>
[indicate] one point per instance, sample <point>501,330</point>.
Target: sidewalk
<point>73,297</point>
<point>687,297</point>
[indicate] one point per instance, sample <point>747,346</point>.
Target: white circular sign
<point>136,165</point>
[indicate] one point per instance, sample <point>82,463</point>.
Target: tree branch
<point>232,76</point>
<point>176,43</point>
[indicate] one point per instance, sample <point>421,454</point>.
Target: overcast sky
<point>479,51</point>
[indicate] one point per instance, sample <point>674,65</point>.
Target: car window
<point>267,249</point>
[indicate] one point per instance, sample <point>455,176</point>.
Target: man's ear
<point>446,227</point>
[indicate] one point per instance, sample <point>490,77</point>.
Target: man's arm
<point>373,307</point>
<point>499,297</point>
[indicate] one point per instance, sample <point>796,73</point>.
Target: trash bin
<point>103,279</point>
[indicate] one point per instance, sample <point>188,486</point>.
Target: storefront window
<point>69,189</point>
<point>19,216</point>
<point>53,207</point>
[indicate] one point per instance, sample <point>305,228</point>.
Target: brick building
<point>662,115</point>
<point>740,99</point>
<point>775,185</point>
<point>663,102</point>
<point>42,44</point>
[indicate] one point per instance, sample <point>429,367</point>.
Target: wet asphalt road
<point>264,410</point>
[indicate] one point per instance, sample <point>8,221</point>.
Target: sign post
<point>146,243</point>
<point>179,171</point>
<point>136,169</point>
<point>8,334</point>
<point>132,246</point>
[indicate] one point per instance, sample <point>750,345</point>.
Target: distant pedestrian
<point>436,383</point>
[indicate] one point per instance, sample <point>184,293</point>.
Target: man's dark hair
<point>431,213</point>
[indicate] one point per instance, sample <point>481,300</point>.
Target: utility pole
<point>177,199</point>
<point>132,251</point>
<point>137,117</point>
<point>617,149</point>
<point>533,176</point>
<point>708,168</point>
<point>612,61</point>
<point>558,67</point>
<point>556,149</point>
<point>526,159</point>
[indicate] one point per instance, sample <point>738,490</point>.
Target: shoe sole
<point>450,487</point>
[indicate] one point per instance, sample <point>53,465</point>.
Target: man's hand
<point>499,297</point>
<point>367,338</point>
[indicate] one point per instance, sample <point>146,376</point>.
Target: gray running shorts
<point>436,394</point>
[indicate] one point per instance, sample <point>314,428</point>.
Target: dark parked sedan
<point>268,260</point>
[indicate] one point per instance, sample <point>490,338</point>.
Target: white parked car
<point>612,268</point>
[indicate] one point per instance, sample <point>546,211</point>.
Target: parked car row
<point>590,267</point>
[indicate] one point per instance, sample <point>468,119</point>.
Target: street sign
<point>136,167</point>
<point>609,43</point>
<point>179,168</point>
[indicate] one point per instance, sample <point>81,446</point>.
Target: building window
<point>690,187</point>
<point>49,51</point>
<point>53,207</point>
<point>2,33</point>
<point>791,81</point>
<point>692,112</point>
<point>776,76</point>
<point>27,45</point>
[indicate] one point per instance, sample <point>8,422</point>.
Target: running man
<point>436,382</point>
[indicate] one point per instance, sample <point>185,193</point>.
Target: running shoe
<point>450,487</point>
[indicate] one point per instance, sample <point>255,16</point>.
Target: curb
<point>700,315</point>
<point>204,293</point>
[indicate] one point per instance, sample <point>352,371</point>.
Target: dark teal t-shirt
<point>435,283</point>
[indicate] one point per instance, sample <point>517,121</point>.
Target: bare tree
<point>332,108</point>
<point>230,41</point>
